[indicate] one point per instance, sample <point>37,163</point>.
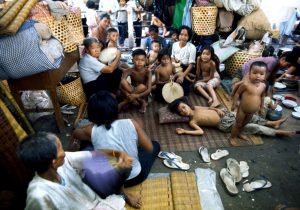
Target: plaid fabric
<point>165,133</point>
<point>21,55</point>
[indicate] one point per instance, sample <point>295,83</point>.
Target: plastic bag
<point>209,196</point>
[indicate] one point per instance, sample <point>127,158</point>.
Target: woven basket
<point>75,27</point>
<point>204,19</point>
<point>71,93</point>
<point>236,61</point>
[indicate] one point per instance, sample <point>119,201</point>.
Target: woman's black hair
<point>102,109</point>
<point>183,27</point>
<point>173,106</point>
<point>162,52</point>
<point>38,151</point>
<point>89,41</point>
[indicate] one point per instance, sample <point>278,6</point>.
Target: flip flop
<point>176,164</point>
<point>219,154</point>
<point>257,183</point>
<point>234,169</point>
<point>169,155</point>
<point>244,169</point>
<point>229,182</point>
<point>204,154</point>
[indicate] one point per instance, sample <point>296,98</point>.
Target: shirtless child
<point>153,53</point>
<point>138,90</point>
<point>251,94</point>
<point>113,36</point>
<point>207,77</point>
<point>223,120</point>
<point>163,73</point>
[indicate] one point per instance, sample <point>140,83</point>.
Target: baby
<point>153,53</point>
<point>163,73</point>
<point>113,37</point>
<point>251,94</point>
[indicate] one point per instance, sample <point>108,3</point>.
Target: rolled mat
<point>14,26</point>
<point>11,13</point>
<point>7,7</point>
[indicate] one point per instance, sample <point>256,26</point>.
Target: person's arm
<point>183,74</point>
<point>262,98</point>
<point>198,68</point>
<point>143,139</point>
<point>236,96</point>
<point>197,130</point>
<point>290,70</point>
<point>157,76</point>
<point>110,68</point>
<point>124,160</point>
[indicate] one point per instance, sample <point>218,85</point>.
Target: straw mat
<point>179,192</point>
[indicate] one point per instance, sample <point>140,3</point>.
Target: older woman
<point>184,52</point>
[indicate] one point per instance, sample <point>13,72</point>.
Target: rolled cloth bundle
<point>11,13</point>
<point>7,7</point>
<point>14,26</point>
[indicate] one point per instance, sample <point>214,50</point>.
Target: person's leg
<point>146,160</point>
<point>186,87</point>
<point>212,93</point>
<point>276,124</point>
<point>201,90</point>
<point>89,89</point>
<point>240,117</point>
<point>115,79</point>
<point>121,34</point>
<point>137,25</point>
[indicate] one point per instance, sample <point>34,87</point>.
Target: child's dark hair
<point>173,31</point>
<point>155,41</point>
<point>258,64</point>
<point>104,15</point>
<point>183,27</point>
<point>153,28</point>
<point>112,30</point>
<point>138,52</point>
<point>90,4</point>
<point>89,41</point>
<point>162,53</point>
<point>102,109</point>
<point>173,106</point>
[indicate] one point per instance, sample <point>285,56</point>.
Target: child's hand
<point>132,97</point>
<point>180,131</point>
<point>124,160</point>
<point>220,112</point>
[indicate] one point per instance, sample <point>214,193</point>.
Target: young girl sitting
<point>96,75</point>
<point>207,77</point>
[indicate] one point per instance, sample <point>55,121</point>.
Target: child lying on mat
<point>251,95</point>
<point>223,120</point>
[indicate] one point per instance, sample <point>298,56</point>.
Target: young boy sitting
<point>113,36</point>
<point>138,90</point>
<point>251,94</point>
<point>163,73</point>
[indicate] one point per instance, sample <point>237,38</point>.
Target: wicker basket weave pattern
<point>237,60</point>
<point>204,19</point>
<point>71,93</point>
<point>75,27</point>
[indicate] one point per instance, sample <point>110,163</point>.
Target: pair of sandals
<point>203,151</point>
<point>172,160</point>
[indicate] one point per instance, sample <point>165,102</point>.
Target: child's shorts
<point>214,82</point>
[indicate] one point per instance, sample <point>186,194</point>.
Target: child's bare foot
<point>215,103</point>
<point>143,107</point>
<point>210,101</point>
<point>132,200</point>
<point>233,141</point>
<point>277,123</point>
<point>284,133</point>
<point>244,137</point>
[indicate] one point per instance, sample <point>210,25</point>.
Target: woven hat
<point>172,91</point>
<point>108,55</point>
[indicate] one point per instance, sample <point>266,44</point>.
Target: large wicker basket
<point>75,27</point>
<point>237,60</point>
<point>71,93</point>
<point>204,19</point>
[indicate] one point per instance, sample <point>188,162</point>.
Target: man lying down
<point>223,120</point>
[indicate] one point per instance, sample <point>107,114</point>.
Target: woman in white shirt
<point>184,52</point>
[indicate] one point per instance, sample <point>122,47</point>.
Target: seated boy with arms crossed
<point>251,94</point>
<point>138,90</point>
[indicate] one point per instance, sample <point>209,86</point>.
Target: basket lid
<point>172,91</point>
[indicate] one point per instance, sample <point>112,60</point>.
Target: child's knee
<point>141,88</point>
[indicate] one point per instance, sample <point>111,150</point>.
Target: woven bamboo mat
<point>155,194</point>
<point>185,191</point>
<point>179,192</point>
